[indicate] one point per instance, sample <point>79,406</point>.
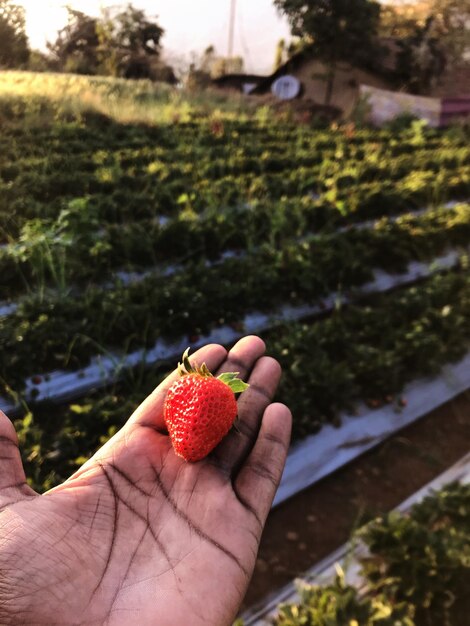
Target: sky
<point>190,26</point>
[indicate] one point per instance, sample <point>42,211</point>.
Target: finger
<point>150,412</point>
<point>258,479</point>
<point>243,356</point>
<point>13,485</point>
<point>235,448</point>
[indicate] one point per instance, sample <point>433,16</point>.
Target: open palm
<point>137,535</point>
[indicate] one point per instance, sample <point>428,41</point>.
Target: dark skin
<point>137,535</point>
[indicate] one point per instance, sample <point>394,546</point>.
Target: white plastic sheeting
<point>347,555</point>
<point>164,269</point>
<point>60,386</point>
<point>319,455</point>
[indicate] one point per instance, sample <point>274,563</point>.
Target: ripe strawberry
<point>199,409</point>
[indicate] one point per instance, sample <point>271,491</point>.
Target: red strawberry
<point>200,409</point>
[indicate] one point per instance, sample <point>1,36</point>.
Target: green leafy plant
<point>417,572</point>
<point>340,604</point>
<point>423,558</point>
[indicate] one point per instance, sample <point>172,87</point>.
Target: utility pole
<point>231,28</point>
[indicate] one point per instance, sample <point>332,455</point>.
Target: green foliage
<point>14,49</point>
<point>402,122</point>
<point>50,102</point>
<point>164,306</point>
<point>122,42</point>
<point>453,20</point>
<point>399,21</point>
<point>76,46</point>
<point>44,247</point>
<point>421,60</point>
<point>369,352</point>
<point>339,30</point>
<point>417,573</point>
<point>423,558</point>
<point>339,604</point>
<point>129,42</point>
<point>123,175</point>
<point>360,353</point>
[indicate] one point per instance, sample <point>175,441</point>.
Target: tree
<point>131,40</point>
<point>76,46</point>
<point>14,49</point>
<point>421,59</point>
<point>121,42</point>
<point>451,24</point>
<point>338,30</point>
<point>453,18</point>
<point>205,68</point>
<point>400,21</point>
<point>208,59</point>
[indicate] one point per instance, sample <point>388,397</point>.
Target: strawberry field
<point>136,221</point>
<point>122,242</point>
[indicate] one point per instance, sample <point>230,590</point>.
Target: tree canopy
<point>14,49</point>
<point>77,45</point>
<point>421,59</point>
<point>338,30</point>
<point>431,35</point>
<point>453,18</point>
<point>121,42</point>
<point>451,23</point>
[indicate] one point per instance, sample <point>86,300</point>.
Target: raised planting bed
<point>319,455</point>
<point>424,528</point>
<point>72,329</point>
<point>163,248</point>
<point>106,367</point>
<point>315,522</point>
<point>370,352</point>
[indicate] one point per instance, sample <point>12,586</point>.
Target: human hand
<point>138,535</point>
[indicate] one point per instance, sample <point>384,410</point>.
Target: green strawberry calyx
<point>229,378</point>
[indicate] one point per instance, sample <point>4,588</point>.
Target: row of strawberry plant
<point>53,251</point>
<point>116,195</point>
<point>234,160</point>
<point>75,137</point>
<point>68,329</point>
<point>367,352</point>
<point>433,536</point>
<point>40,190</point>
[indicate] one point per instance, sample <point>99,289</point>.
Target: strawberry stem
<point>185,367</point>
<point>229,378</point>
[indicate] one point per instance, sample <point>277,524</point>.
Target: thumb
<point>13,485</point>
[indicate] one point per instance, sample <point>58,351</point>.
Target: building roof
<point>237,79</point>
<point>389,46</point>
<point>295,61</point>
<point>455,81</point>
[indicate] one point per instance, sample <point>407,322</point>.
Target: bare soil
<point>311,525</point>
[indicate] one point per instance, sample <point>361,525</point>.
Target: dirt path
<point>308,527</point>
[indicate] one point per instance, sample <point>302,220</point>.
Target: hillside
<point>125,101</point>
